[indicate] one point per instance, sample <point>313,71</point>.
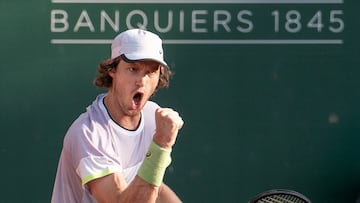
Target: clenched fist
<point>168,123</point>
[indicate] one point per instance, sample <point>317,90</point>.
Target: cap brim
<point>126,59</point>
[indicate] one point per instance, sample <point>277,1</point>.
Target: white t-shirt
<point>95,146</point>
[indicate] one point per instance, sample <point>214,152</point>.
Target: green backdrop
<point>269,93</point>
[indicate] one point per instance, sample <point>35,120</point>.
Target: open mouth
<point>137,98</point>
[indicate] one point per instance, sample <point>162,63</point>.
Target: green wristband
<point>155,163</point>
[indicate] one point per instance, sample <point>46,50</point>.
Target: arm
<point>110,189</point>
<point>113,188</point>
<point>166,195</point>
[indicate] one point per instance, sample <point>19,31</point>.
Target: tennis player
<point>118,150</point>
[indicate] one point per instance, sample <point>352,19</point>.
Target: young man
<point>118,150</point>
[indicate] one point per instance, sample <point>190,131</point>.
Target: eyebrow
<point>152,64</point>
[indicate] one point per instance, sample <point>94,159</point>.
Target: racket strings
<point>284,198</point>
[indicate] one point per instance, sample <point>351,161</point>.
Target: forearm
<point>113,188</point>
<point>151,175</point>
<point>139,191</point>
<point>166,195</point>
<point>145,186</point>
<point>150,185</point>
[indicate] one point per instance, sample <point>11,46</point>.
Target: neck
<point>116,113</point>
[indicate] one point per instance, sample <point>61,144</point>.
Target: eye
<point>152,73</point>
<point>132,69</point>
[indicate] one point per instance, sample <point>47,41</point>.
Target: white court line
<point>211,41</point>
<point>204,1</point>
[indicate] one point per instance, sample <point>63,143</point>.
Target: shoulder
<point>77,130</point>
<point>87,126</point>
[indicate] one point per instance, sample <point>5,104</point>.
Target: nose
<point>141,80</point>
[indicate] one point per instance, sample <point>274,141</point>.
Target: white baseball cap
<point>137,44</point>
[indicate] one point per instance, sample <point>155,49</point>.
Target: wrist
<point>162,142</point>
<point>155,163</point>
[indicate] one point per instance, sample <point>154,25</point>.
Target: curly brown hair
<point>104,80</point>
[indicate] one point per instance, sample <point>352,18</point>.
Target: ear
<point>161,70</point>
<point>112,72</point>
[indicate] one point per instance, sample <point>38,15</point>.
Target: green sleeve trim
<point>97,175</point>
